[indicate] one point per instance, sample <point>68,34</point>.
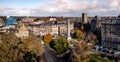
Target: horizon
<point>58,16</point>
<point>65,8</point>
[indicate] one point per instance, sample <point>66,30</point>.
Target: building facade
<point>52,28</point>
<point>110,30</point>
<point>22,32</point>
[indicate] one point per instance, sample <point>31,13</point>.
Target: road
<point>49,56</point>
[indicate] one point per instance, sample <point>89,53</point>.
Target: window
<point>103,38</point>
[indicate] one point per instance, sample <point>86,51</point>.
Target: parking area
<point>107,52</point>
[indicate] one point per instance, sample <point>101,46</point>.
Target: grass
<point>97,58</point>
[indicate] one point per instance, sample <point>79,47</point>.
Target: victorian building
<point>22,32</point>
<point>110,30</point>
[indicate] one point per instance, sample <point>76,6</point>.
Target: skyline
<point>59,7</point>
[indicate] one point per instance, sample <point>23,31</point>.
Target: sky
<point>72,8</point>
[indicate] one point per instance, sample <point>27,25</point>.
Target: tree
<point>60,45</point>
<point>98,35</point>
<point>48,38</point>
<point>13,49</point>
<point>81,53</point>
<point>8,48</point>
<point>78,34</point>
<point>92,38</point>
<point>32,47</point>
<point>82,27</point>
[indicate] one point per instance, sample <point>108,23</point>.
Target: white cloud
<point>68,8</point>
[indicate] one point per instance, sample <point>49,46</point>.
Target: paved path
<point>49,56</point>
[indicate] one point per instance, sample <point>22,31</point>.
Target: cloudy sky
<point>59,7</point>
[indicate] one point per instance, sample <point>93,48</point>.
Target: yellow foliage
<point>48,38</point>
<point>79,35</point>
<point>82,27</point>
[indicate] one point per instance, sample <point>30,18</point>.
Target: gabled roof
<point>23,28</point>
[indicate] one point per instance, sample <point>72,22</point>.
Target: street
<point>49,56</point>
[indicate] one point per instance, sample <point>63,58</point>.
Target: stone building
<point>62,30</point>
<point>22,32</point>
<point>52,28</point>
<point>28,20</point>
<point>95,23</point>
<point>84,18</point>
<point>110,30</point>
<point>2,21</point>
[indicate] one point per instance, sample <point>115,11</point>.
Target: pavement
<point>48,55</point>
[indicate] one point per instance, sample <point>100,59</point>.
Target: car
<point>110,57</point>
<point>111,52</point>
<point>103,55</point>
<point>107,51</point>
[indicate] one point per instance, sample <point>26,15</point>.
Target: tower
<point>84,18</point>
<point>68,30</point>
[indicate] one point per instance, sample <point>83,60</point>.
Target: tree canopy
<point>60,45</point>
<point>78,34</point>
<point>13,49</point>
<point>82,27</point>
<point>48,38</point>
<point>92,38</point>
<point>8,48</point>
<point>32,44</point>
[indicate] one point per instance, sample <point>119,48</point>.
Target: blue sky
<point>59,7</point>
<point>26,3</point>
<point>22,3</point>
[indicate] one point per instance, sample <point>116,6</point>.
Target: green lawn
<point>97,58</point>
